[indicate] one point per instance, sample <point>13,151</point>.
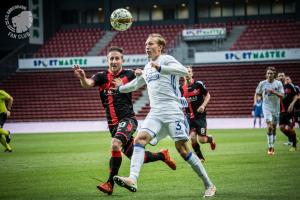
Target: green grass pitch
<point>70,165</point>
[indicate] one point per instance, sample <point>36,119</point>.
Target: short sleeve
<point>259,88</point>
<point>202,87</point>
<point>99,78</point>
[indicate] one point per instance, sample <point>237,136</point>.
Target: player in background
<point>281,77</point>
<point>166,117</point>
<point>297,107</point>
<point>6,102</point>
<point>120,116</point>
<point>271,91</point>
<point>286,121</point>
<point>197,97</point>
<point>257,111</point>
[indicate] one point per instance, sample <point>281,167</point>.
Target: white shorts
<point>158,129</point>
<point>271,117</point>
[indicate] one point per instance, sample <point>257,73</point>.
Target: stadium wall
<point>98,126</point>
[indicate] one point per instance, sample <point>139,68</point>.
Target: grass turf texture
<point>70,165</point>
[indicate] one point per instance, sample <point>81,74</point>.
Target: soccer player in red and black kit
<point>286,110</point>
<point>198,97</point>
<point>119,114</point>
<point>296,105</point>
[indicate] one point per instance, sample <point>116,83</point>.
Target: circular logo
<point>18,20</point>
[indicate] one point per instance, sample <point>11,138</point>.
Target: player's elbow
<point>85,86</point>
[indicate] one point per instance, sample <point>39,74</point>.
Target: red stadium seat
<point>262,32</point>
<point>67,41</point>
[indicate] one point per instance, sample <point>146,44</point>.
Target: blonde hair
<point>189,67</point>
<point>160,39</point>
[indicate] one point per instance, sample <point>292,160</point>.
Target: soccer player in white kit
<point>271,91</point>
<point>161,74</point>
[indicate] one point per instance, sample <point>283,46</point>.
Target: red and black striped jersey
<point>117,105</point>
<point>195,94</point>
<point>289,94</point>
<point>297,104</point>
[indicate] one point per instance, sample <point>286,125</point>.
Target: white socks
<point>271,140</point>
<point>197,166</point>
<point>137,161</point>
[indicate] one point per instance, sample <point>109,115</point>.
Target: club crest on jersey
<point>152,75</point>
<point>109,92</point>
<point>193,98</point>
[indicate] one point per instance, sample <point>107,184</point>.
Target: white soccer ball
<point>121,19</point>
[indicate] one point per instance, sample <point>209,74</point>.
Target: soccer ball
<point>121,19</point>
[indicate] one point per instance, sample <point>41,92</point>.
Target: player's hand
<point>78,72</point>
<point>8,113</point>
<point>138,72</point>
<point>116,83</point>
<point>155,65</point>
<point>290,108</point>
<point>201,109</point>
<point>271,91</point>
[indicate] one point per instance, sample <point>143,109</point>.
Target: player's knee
<point>202,139</point>
<point>270,126</point>
<point>193,139</point>
<point>182,148</point>
<point>282,128</point>
<point>142,138</point>
<point>181,151</point>
<point>116,145</point>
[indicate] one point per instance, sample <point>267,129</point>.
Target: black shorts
<point>297,116</point>
<point>199,125</point>
<point>3,117</point>
<point>124,130</point>
<point>285,118</point>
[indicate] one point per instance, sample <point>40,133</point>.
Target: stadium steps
<point>141,102</point>
<point>102,43</point>
<point>234,35</point>
<point>133,40</point>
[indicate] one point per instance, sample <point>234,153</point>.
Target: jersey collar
<point>190,83</point>
<point>117,74</point>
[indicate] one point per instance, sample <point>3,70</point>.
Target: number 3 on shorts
<point>178,125</point>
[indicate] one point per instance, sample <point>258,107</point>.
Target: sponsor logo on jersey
<point>152,75</point>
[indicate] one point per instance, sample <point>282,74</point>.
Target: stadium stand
<point>133,39</point>
<point>268,34</point>
<point>57,95</point>
<point>39,96</point>
<point>258,34</point>
<point>70,42</point>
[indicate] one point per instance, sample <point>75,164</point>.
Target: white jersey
<point>271,102</point>
<point>163,87</point>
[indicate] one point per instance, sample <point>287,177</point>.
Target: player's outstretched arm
<point>133,85</point>
<point>80,74</point>
<point>171,66</point>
